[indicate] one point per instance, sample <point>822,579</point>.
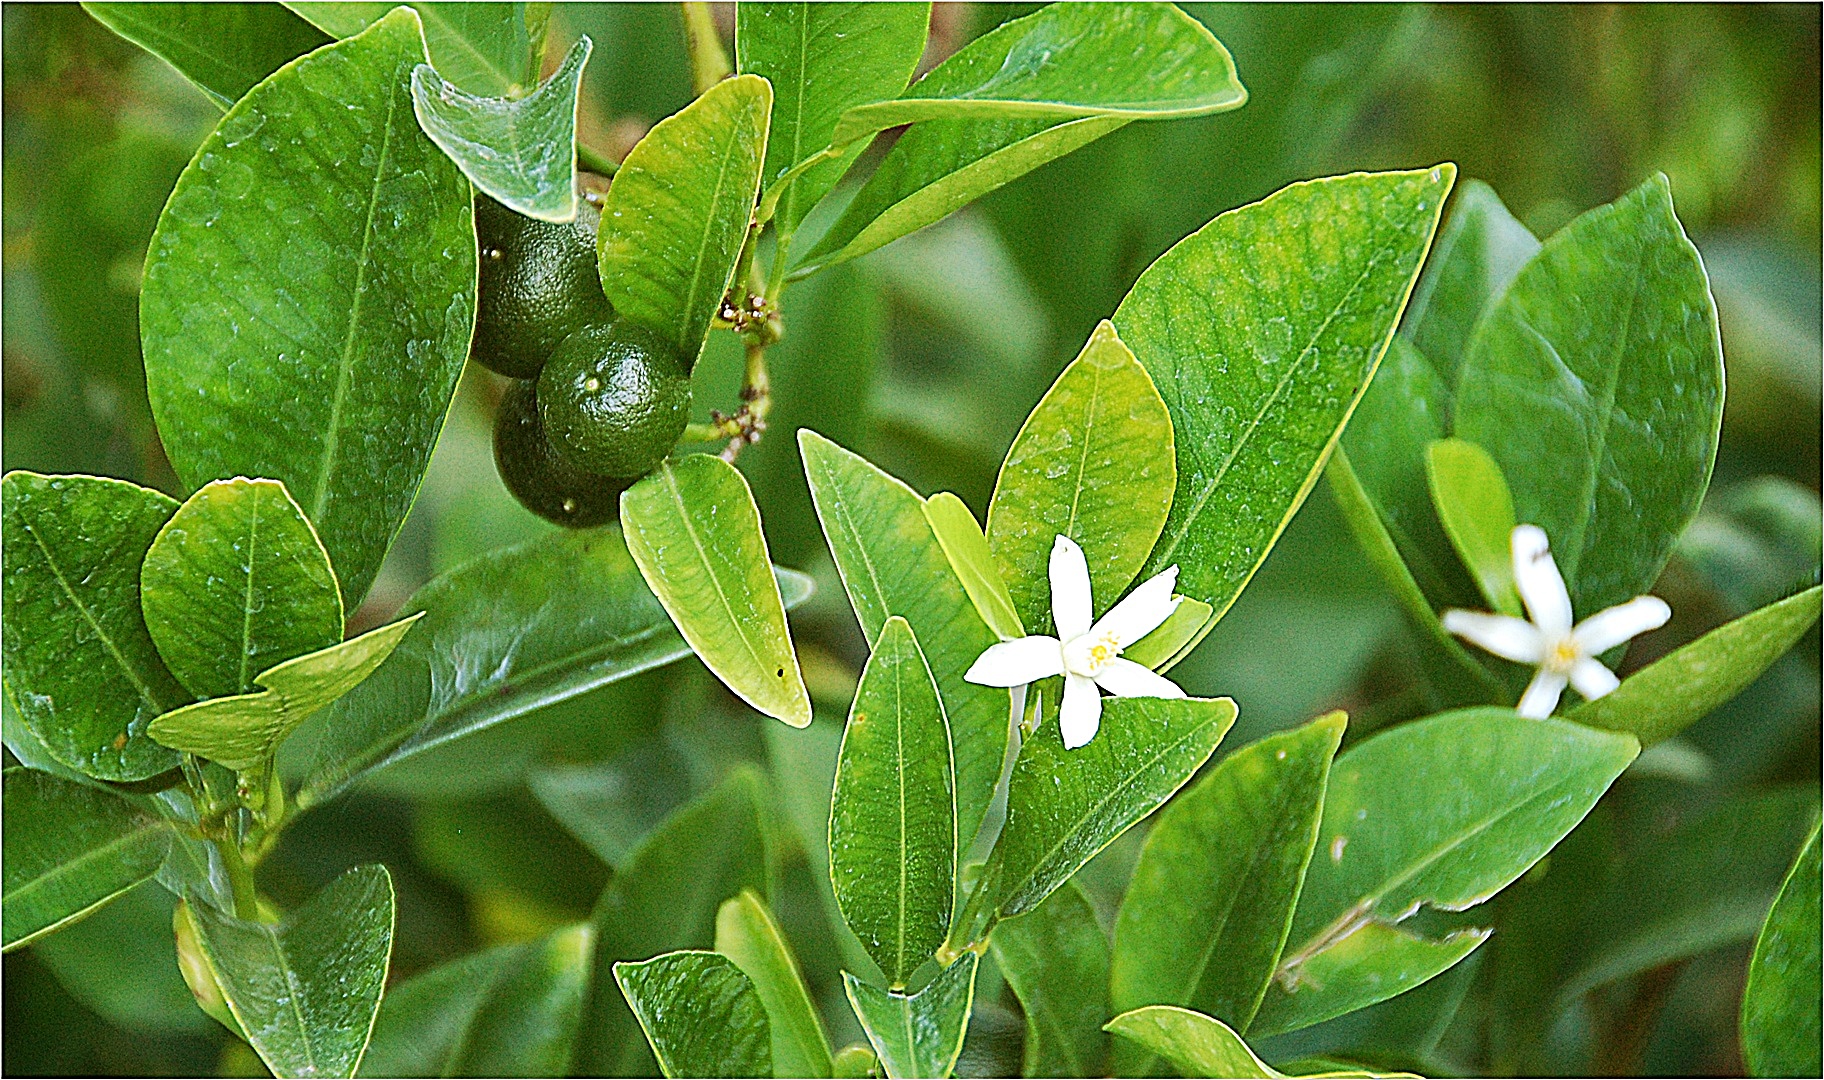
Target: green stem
<point>240,877</point>
<point>1365,523</point>
<point>708,60</point>
<point>595,161</point>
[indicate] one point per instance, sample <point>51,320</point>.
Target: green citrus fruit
<point>543,482</point>
<point>538,286</point>
<point>614,398</point>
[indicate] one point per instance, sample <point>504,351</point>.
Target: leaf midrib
<point>730,145</point>
<point>753,652</point>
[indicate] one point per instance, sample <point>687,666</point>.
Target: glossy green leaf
<point>1261,330</point>
<point>694,530</point>
<point>1172,639</point>
<point>1405,409</point>
<point>117,962</point>
<point>891,564</point>
<point>1056,959</point>
<point>306,990</point>
<point>700,1013</point>
<point>1211,899</point>
<point>678,212</point>
<point>747,935</point>
<point>485,48</point>
<point>245,730</point>
<point>893,842</point>
<point>515,630</point>
<point>1093,462</point>
<point>1067,61</point>
<point>1064,806</point>
<point>611,805</point>
<point>1195,1044</point>
<point>1596,383</point>
<point>1681,688</point>
<point>364,357</point>
<point>1473,502</point>
<point>1446,812</point>
<point>1479,250</point>
<point>521,151</point>
<point>954,526</point>
<point>1780,1027</point>
<point>917,1035</point>
<point>223,49</point>
<point>70,848</point>
<point>80,666</point>
<point>821,60</point>
<point>1377,961</point>
<point>509,1011</point>
<point>235,584</point>
<point>666,898</point>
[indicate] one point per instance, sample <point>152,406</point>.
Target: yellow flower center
<point>1562,655</point>
<point>1088,654</point>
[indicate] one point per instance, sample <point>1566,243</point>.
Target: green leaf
<point>1093,462</point>
<point>1446,812</point>
<point>1596,383</point>
<point>1211,899</point>
<point>236,583</point>
<point>694,530</point>
<point>1261,330</point>
<point>666,898</point>
<point>1171,640</point>
<point>1681,688</point>
<point>917,1035</point>
<point>521,151</point>
<point>747,934</point>
<point>223,49</point>
<point>822,59</point>
<point>242,731</point>
<point>306,990</point>
<point>365,357</point>
<point>1064,806</point>
<point>70,848</point>
<point>1780,1029</point>
<point>117,962</point>
<point>1056,959</point>
<point>1137,61</point>
<point>611,805</point>
<point>1479,250</point>
<point>485,48</point>
<point>80,666</point>
<point>891,564</point>
<point>509,1011</point>
<point>510,632</point>
<point>1477,510</point>
<point>700,1013</point>
<point>678,212</point>
<point>1377,961</point>
<point>893,842</point>
<point>957,533</point>
<point>1195,1044</point>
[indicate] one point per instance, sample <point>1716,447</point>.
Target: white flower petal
<point>1503,635</point>
<point>1124,678</point>
<point>1539,582</point>
<point>1070,602</point>
<point>1541,695</point>
<point>1081,713</point>
<point>1142,611</point>
<point>1017,662</point>
<point>1612,626</point>
<point>1591,679</point>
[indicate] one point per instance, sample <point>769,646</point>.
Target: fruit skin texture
<point>538,286</point>
<point>614,398</point>
<point>543,482</point>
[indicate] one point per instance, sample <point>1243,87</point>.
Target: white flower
<point>1087,656</point>
<point>1562,652</point>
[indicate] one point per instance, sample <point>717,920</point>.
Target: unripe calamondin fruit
<point>614,398</point>
<point>543,482</point>
<point>538,286</point>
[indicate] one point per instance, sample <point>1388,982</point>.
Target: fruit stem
<point>595,161</point>
<point>708,60</point>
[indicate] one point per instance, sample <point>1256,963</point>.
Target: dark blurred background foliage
<point>926,356</point>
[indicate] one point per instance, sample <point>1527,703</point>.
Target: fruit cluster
<point>596,402</point>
